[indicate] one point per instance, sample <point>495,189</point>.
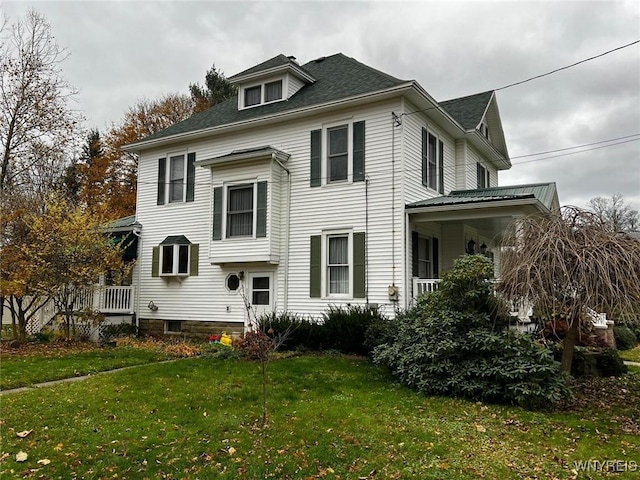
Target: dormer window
<point>263,93</point>
<point>253,96</point>
<point>273,91</point>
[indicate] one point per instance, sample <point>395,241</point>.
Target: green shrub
<point>625,338</point>
<point>453,343</point>
<point>344,327</point>
<point>302,333</point>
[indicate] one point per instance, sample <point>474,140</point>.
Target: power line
<point>576,146</point>
<point>535,77</point>
<point>573,153</point>
<point>568,66</point>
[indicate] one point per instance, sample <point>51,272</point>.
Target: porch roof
<point>489,210</point>
<point>545,193</point>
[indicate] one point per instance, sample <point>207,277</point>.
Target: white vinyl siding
<point>311,210</point>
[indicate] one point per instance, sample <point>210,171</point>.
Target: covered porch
<point>467,222</point>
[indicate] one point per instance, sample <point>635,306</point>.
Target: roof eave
<point>532,201</point>
<point>238,79</point>
<point>266,153</point>
<point>500,161</point>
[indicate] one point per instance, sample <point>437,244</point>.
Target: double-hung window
<point>424,258</point>
<point>176,178</point>
<point>240,211</point>
<point>483,176</point>
<point>432,161</point>
<point>338,153</point>
<point>338,264</point>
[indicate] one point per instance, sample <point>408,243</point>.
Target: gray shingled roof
<point>468,111</point>
<point>276,61</point>
<point>544,192</point>
<point>337,77</point>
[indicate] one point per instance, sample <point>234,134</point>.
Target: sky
<point>121,52</point>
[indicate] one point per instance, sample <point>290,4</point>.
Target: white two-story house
<point>324,183</point>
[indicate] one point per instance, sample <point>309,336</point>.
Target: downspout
<point>285,296</point>
<point>366,236</point>
<point>139,279</point>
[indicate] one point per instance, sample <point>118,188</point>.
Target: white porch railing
<point>106,299</point>
<point>599,320</point>
<point>424,285</point>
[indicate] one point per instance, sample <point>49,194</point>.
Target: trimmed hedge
<point>625,337</point>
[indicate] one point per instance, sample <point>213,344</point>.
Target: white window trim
<point>324,155</point>
<point>167,181</point>
<point>262,83</point>
<point>176,260</point>
<point>439,139</point>
<point>324,277</point>
<point>225,199</point>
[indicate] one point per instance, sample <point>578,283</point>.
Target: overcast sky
<point>125,51</point>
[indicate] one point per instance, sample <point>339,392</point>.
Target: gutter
<point>475,205</point>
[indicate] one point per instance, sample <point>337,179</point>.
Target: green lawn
<point>330,417</point>
<point>21,371</point>
<point>632,355</point>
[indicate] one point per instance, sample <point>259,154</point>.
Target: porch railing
<point>424,285</point>
<point>106,299</point>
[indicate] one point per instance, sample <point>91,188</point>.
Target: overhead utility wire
<point>579,151</point>
<point>438,107</point>
<point>575,146</point>
<point>568,66</point>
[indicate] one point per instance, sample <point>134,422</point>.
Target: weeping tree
<point>567,263</point>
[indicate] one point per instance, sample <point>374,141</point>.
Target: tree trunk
<point>568,344</point>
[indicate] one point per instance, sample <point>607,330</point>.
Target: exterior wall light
<point>152,306</point>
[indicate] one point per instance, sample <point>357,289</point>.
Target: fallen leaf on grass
<point>24,433</point>
<point>44,461</point>
<point>480,428</point>
<point>231,451</point>
<point>21,457</point>
<point>58,447</point>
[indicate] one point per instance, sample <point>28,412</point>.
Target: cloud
<point>124,51</point>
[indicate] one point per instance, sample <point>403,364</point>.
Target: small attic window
<point>267,92</point>
<point>273,91</point>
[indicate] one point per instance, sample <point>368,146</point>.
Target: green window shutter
<point>359,269</point>
<point>261,210</point>
<point>316,161</point>
<point>162,171</point>
<point>191,176</point>
<point>155,262</point>
<point>217,213</point>
<point>415,268</point>
<point>193,259</point>
<point>436,257</point>
<point>358,151</point>
<point>425,161</point>
<point>441,167</point>
<point>315,269</point>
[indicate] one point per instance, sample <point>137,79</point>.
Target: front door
<point>260,294</point>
